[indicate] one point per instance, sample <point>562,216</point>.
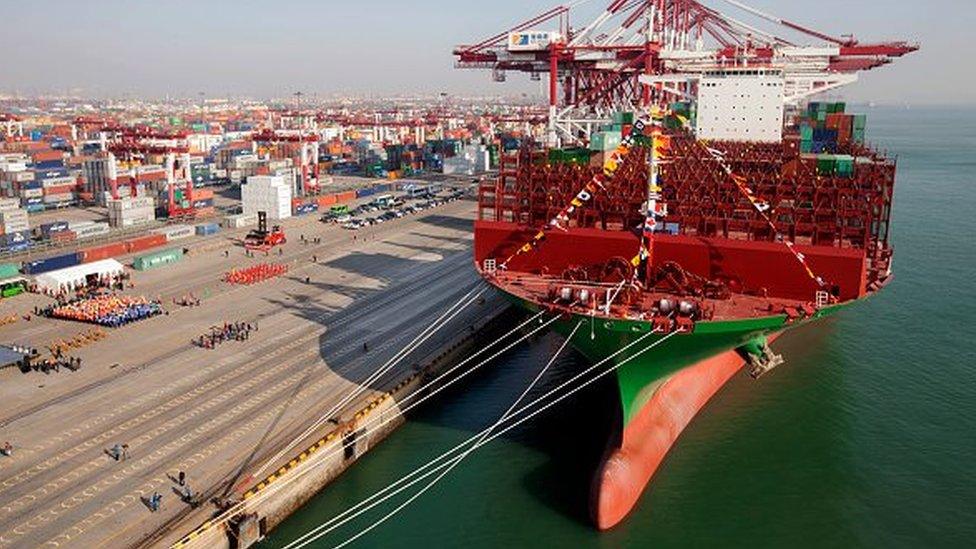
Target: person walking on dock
<point>7,449</point>
<point>116,451</point>
<point>181,478</point>
<point>154,500</point>
<point>125,452</point>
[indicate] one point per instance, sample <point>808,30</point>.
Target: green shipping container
<point>806,132</point>
<point>845,165</point>
<point>858,135</point>
<point>623,118</point>
<point>826,164</point>
<point>860,120</point>
<point>806,146</point>
<point>158,259</point>
<point>605,141</point>
<point>9,270</point>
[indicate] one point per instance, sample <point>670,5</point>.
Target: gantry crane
<point>641,52</point>
<point>132,142</point>
<point>308,156</point>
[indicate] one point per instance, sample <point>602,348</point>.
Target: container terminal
<point>183,296</point>
<point>231,301</point>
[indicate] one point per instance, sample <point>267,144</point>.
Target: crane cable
<point>422,337</point>
<point>241,506</point>
<point>481,438</point>
<point>344,517</point>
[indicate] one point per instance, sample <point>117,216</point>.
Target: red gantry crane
<point>665,45</point>
<point>134,142</point>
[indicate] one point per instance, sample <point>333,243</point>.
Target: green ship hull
<point>638,378</point>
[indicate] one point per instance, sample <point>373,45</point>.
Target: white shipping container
<point>239,221</point>
<point>60,197</point>
<point>31,193</point>
<point>93,230</point>
<point>15,226</point>
<point>12,215</point>
<point>58,181</point>
<point>9,204</point>
<point>176,232</point>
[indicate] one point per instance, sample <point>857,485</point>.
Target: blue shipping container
<point>16,237</point>
<point>31,185</point>
<point>55,227</point>
<point>303,209</point>
<point>364,192</point>
<point>49,174</point>
<point>51,264</point>
<point>34,208</point>
<point>32,201</point>
<point>207,229</point>
<point>36,135</point>
<point>49,164</point>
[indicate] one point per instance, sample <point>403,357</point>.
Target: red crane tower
<point>663,44</point>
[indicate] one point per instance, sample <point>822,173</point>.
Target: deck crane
<point>642,52</point>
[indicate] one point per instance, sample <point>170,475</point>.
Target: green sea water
<point>866,437</point>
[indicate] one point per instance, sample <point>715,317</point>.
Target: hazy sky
<point>275,47</point>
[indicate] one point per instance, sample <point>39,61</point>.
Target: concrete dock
<point>220,414</point>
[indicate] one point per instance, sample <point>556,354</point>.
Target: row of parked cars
<point>373,214</point>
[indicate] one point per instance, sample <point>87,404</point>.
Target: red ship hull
<point>645,441</point>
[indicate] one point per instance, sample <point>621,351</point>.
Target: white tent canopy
<point>75,277</point>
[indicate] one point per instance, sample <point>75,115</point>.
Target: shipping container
<point>107,251</point>
<point>145,243</point>
<point>207,229</point>
<point>9,270</point>
<point>53,227</point>
<point>51,264</point>
<point>157,259</point>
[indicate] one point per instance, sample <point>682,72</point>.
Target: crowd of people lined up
<point>110,310</point>
<point>255,274</point>
<point>231,331</point>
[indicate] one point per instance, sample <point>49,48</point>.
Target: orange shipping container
<point>44,156</point>
<point>103,252</point>
<point>203,194</point>
<point>145,242</point>
<point>327,200</point>
<point>347,196</point>
<point>201,213</point>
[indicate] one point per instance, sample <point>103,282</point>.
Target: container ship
<point>695,198</point>
<point>717,245</point>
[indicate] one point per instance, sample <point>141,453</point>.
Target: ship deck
<point>629,302</point>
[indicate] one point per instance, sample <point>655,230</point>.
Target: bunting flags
<point>763,207</point>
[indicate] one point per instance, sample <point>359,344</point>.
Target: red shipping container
<point>60,189</point>
<point>103,252</point>
<point>145,242</point>
<point>64,236</point>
